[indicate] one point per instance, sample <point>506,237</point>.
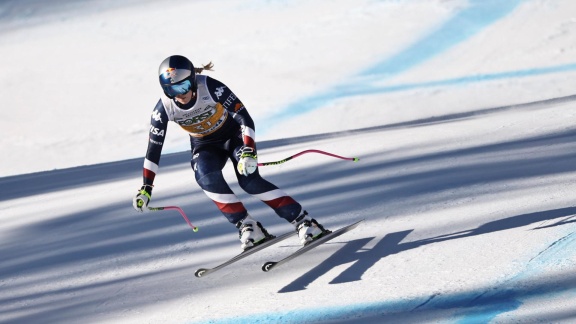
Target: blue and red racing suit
<point>219,126</point>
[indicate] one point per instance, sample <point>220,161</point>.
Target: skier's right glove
<point>247,163</point>
<point>140,202</point>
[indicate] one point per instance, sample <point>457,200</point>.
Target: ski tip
<point>268,266</point>
<point>200,272</point>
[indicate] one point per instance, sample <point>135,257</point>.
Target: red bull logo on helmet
<point>170,74</point>
<point>175,75</point>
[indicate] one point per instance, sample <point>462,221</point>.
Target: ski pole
<point>355,159</point>
<point>194,228</point>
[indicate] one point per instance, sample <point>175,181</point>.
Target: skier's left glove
<point>140,202</point>
<point>248,162</point>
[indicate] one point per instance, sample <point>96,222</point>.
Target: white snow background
<point>462,113</point>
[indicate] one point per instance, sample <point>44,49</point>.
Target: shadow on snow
<point>81,244</point>
<point>363,259</point>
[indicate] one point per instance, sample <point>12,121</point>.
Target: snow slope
<point>462,113</point>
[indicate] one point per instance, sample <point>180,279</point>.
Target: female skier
<point>220,128</point>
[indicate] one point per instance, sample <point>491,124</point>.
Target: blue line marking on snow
<point>466,308</point>
<point>509,299</point>
<point>464,80</point>
<point>466,23</point>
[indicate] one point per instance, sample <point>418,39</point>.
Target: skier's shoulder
<point>211,83</point>
<point>219,91</point>
<point>165,107</point>
<point>164,103</point>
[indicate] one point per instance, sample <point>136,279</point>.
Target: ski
<point>327,237</point>
<point>202,272</point>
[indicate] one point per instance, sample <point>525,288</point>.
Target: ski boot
<point>308,229</point>
<point>251,232</point>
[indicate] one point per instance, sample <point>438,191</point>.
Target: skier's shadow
<point>364,259</point>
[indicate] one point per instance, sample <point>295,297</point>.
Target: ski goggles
<point>180,88</point>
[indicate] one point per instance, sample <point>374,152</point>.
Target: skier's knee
<point>213,182</point>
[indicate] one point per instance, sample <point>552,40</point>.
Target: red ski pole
<point>194,228</point>
<point>354,159</point>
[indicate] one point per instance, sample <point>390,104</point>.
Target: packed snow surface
<point>462,112</point>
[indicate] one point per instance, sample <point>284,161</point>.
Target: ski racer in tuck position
<point>220,128</point>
